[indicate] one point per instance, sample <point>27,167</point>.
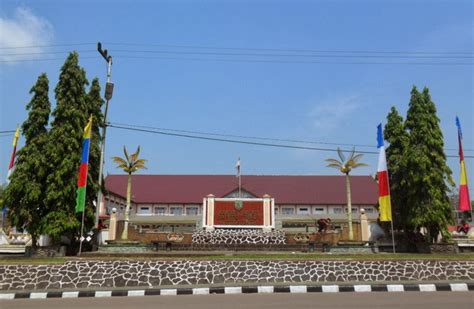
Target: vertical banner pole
<point>393,235</point>
<point>82,233</point>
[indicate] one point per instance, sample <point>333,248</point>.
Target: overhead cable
<point>235,141</point>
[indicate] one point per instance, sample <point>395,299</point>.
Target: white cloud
<point>331,114</point>
<point>24,28</point>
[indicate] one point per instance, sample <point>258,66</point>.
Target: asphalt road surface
<point>387,300</point>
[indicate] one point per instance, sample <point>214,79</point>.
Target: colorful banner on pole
<point>82,180</point>
<point>464,200</point>
<point>12,159</point>
<point>385,206</point>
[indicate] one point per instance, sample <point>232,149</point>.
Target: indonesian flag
<point>12,159</point>
<point>237,167</point>
<point>382,172</point>
<point>464,201</point>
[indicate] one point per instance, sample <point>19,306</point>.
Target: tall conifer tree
<point>397,137</point>
<point>26,192</point>
<point>427,173</point>
<point>64,148</point>
<point>440,174</point>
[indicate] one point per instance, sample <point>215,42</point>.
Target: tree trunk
<point>349,207</point>
<point>127,208</point>
<point>34,241</point>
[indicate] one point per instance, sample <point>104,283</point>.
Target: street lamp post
<point>109,87</point>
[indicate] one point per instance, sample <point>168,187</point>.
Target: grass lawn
<point>223,256</point>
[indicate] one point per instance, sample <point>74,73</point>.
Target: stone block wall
<point>110,274</point>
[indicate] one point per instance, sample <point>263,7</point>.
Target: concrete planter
<point>47,251</point>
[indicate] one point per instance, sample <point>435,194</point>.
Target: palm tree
<point>130,165</point>
<point>345,167</point>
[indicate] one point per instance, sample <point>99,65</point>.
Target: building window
<point>337,210</point>
<point>160,211</point>
<point>369,210</point>
<point>287,210</point>
<point>144,210</point>
<point>354,209</point>
<point>192,211</point>
<point>303,211</point>
<point>176,210</point>
<point>319,210</point>
<point>276,211</point>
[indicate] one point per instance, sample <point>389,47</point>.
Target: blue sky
<point>328,102</point>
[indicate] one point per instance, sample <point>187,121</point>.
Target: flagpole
<point>385,203</point>
<point>391,221</point>
<point>240,181</point>
<point>240,186</point>
<point>82,232</point>
<point>393,234</point>
<point>82,179</point>
<point>10,171</point>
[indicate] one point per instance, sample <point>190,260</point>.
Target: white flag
<point>237,166</point>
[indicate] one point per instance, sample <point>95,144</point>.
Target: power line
<point>299,50</point>
<point>259,61</point>
<point>241,136</point>
<point>226,140</point>
<point>172,52</point>
<point>134,54</point>
<point>45,53</point>
<point>292,49</point>
<point>299,62</point>
<point>234,60</point>
<point>44,59</point>
<point>258,54</point>
<point>112,124</point>
<point>47,45</point>
<point>254,137</point>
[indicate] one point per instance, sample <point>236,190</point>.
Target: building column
<point>208,213</point>
<point>364,226</point>
<point>268,213</point>
<point>113,224</point>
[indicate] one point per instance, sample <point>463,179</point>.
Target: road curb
<point>258,289</point>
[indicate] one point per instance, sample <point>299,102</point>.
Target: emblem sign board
<point>238,213</point>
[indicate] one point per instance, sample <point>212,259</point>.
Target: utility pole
<point>109,88</point>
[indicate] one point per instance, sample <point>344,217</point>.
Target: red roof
<point>191,189</point>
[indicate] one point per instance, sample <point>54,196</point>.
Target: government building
<point>175,203</point>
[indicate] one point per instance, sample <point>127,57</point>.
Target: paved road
<point>405,300</point>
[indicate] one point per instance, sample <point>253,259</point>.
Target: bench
<point>464,244</point>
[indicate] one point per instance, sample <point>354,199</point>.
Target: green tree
<point>345,167</point>
<point>64,149</point>
<point>2,205</point>
<point>129,165</point>
<point>26,191</point>
<point>427,174</point>
<point>1,196</point>
<point>397,137</point>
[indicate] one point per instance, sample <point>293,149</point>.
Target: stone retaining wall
<point>239,237</point>
<point>109,274</point>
